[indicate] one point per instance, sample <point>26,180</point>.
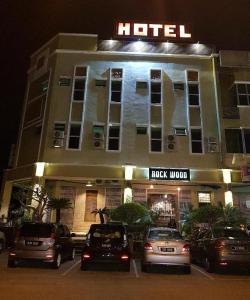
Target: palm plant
<point>57,204</point>
<point>101,212</point>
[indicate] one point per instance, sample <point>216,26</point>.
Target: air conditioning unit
<point>58,143</point>
<point>212,145</point>
<point>98,144</point>
<point>58,134</point>
<point>171,143</point>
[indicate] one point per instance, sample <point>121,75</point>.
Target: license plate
<point>238,248</point>
<point>106,245</point>
<point>32,243</point>
<point>167,249</point>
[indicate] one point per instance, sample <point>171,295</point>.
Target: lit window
<point>204,197</point>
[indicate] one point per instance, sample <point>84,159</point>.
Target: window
<point>74,136</point>
<point>141,130</point>
<point>156,139</point>
<point>237,140</point>
<point>79,83</point>
<point>243,93</point>
<point>155,87</point>
<point>196,141</point>
<point>114,138</point>
<point>116,85</point>
<point>204,197</point>
<point>233,141</point>
<point>193,88</point>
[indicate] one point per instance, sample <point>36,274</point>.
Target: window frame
<point>69,136</point>
<point>113,138</point>
<point>160,139</point>
<point>238,94</point>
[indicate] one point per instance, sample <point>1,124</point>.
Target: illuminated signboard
<point>129,29</point>
<point>169,174</point>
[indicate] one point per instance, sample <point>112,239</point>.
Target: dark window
<point>193,94</point>
<point>192,76</point>
<point>141,130</point>
<point>243,93</point>
<point>79,89</point>
<point>247,139</point>
<point>196,140</point>
<point>155,74</point>
<point>74,136</point>
<point>36,230</point>
<point>164,235</point>
<point>233,141</point>
<point>156,139</point>
<point>116,91</point>
<point>81,71</point>
<point>114,136</point>
<point>155,92</point>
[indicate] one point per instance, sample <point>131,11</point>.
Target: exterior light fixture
<point>40,169</point>
<point>151,186</point>
<point>226,176</point>
<point>127,195</point>
<point>89,184</point>
<point>228,198</point>
<point>129,172</point>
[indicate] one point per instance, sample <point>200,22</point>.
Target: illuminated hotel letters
<point>169,174</point>
<point>152,30</point>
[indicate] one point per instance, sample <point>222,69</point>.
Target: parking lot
<point>36,281</point>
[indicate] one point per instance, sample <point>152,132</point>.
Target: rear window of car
<point>164,235</point>
<point>37,230</point>
<point>113,233</point>
<point>230,233</point>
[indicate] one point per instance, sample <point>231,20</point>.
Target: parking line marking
<point>203,273</point>
<point>135,268</point>
<point>71,268</point>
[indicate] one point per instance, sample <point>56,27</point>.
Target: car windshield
<point>164,235</point>
<point>107,233</point>
<point>37,230</point>
<point>230,233</point>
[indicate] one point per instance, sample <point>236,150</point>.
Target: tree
<point>211,216</point>
<point>58,204</point>
<point>101,212</point>
<point>131,213</point>
<point>34,200</point>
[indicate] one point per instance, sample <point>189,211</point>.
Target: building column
<point>5,201</point>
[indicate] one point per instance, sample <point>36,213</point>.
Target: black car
<point>106,244</point>
<point>221,248</point>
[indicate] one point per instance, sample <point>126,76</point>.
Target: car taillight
<point>218,244</point>
<point>148,246</point>
<point>124,257</point>
<point>86,256</point>
<point>185,249</point>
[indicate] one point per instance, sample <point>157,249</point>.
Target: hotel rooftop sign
<point>171,31</point>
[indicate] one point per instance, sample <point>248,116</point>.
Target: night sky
<point>27,24</point>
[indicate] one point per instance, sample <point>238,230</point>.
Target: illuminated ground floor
<point>91,187</point>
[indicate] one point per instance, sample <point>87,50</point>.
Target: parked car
<point>2,241</point>
<point>222,247</point>
<point>106,244</point>
<point>248,229</point>
<point>46,242</point>
<point>165,246</point>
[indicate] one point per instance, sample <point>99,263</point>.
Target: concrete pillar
<point>6,196</point>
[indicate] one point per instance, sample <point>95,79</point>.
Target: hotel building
<point>112,121</point>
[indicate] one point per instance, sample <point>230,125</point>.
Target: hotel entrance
<point>166,205</point>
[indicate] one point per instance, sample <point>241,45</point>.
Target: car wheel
<point>209,267</point>
<point>144,267</point>
<point>73,254</point>
<point>83,267</point>
<point>12,263</point>
<point>57,261</point>
<point>187,270</point>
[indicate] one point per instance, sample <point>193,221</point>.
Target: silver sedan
<point>165,246</point>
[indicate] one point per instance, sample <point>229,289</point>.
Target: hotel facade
<point>114,121</point>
